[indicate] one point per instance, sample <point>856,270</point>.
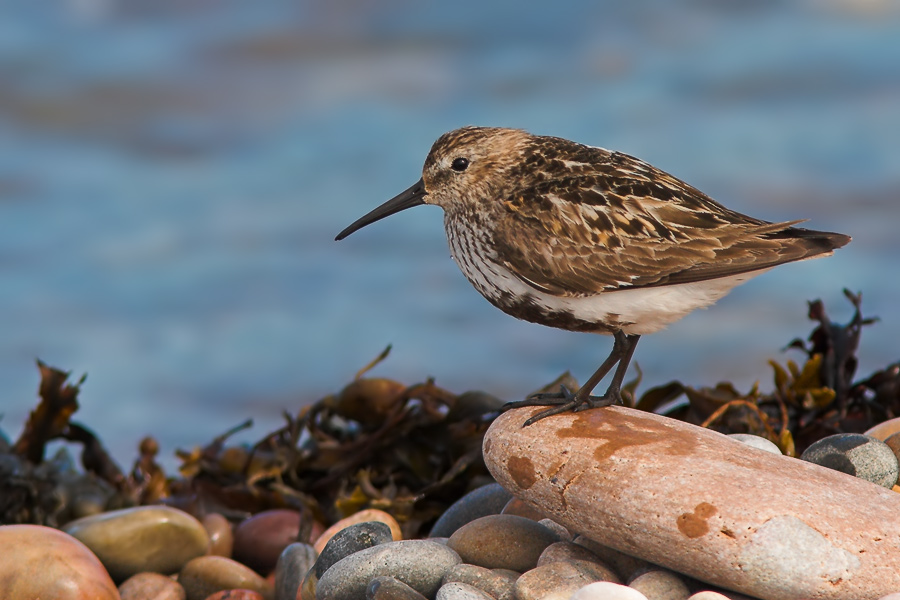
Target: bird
<point>586,239</point>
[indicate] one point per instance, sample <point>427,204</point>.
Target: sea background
<point>173,173</point>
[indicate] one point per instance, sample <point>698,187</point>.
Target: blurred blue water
<point>172,174</point>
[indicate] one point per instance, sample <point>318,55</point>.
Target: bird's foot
<point>563,401</point>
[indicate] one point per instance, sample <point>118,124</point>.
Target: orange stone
<point>702,504</point>
<point>42,562</point>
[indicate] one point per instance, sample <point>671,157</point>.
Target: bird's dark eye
<point>460,164</point>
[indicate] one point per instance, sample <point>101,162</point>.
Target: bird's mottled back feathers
<point>609,221</point>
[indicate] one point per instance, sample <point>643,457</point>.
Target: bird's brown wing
<point>637,227</point>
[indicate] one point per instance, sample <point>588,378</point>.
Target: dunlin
<point>585,239</point>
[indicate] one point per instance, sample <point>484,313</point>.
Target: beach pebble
<point>560,579</point>
<point>221,537</point>
<point>421,564</point>
<point>605,590</point>
<point>157,539</point>
<point>480,502</point>
<point>352,539</point>
<point>259,540</point>
<point>236,595</point>
<point>677,495</point>
<point>151,586</point>
<point>755,441</point>
<point>628,567</point>
<point>384,587</point>
<point>502,542</point>
<point>42,562</point>
<point>207,575</point>
<point>893,596</point>
<point>708,595</point>
<point>661,585</point>
<point>461,591</point>
<point>520,508</point>
<point>370,514</point>
<point>882,431</point>
<point>292,566</point>
<point>561,532</point>
<point>567,551</point>
<point>496,584</point>
<point>855,454</point>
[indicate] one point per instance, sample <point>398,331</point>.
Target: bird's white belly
<point>636,311</point>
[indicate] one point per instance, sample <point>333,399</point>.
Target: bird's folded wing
<point>565,246</point>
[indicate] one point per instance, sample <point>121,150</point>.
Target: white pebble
<point>606,590</point>
<point>756,442</point>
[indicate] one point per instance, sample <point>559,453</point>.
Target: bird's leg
<point>565,400</point>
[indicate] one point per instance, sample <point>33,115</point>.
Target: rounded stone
<point>236,595</point>
<point>420,564</point>
<point>156,539</point>
<point>709,595</point>
<point>661,585</point>
<point>497,585</point>
<point>561,532</point>
<point>560,579</point>
<point>370,514</point>
<point>625,565</point>
<point>856,454</point>
<point>480,502</point>
<point>882,431</point>
<point>294,562</point>
<point>461,591</point>
<point>151,586</point>
<point>352,539</point>
<point>502,542</point>
<point>221,536</point>
<point>384,587</point>
<point>755,441</point>
<point>207,575</point>
<point>259,540</point>
<point>569,551</point>
<point>42,562</point>
<point>605,590</point>
<point>803,531</point>
<point>520,508</point>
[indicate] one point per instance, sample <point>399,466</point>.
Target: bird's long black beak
<point>405,199</point>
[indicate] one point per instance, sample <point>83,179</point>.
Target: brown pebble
<point>221,537</point>
<point>623,564</point>
<point>42,562</point>
<point>661,585</point>
<point>501,541</point>
<point>521,508</point>
<point>133,540</point>
<point>498,585</point>
<point>151,586</point>
<point>561,578</point>
<point>207,575</point>
<point>568,551</point>
<point>235,595</point>
<point>259,540</point>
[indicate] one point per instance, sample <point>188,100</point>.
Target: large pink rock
<point>41,562</point>
<point>695,501</point>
